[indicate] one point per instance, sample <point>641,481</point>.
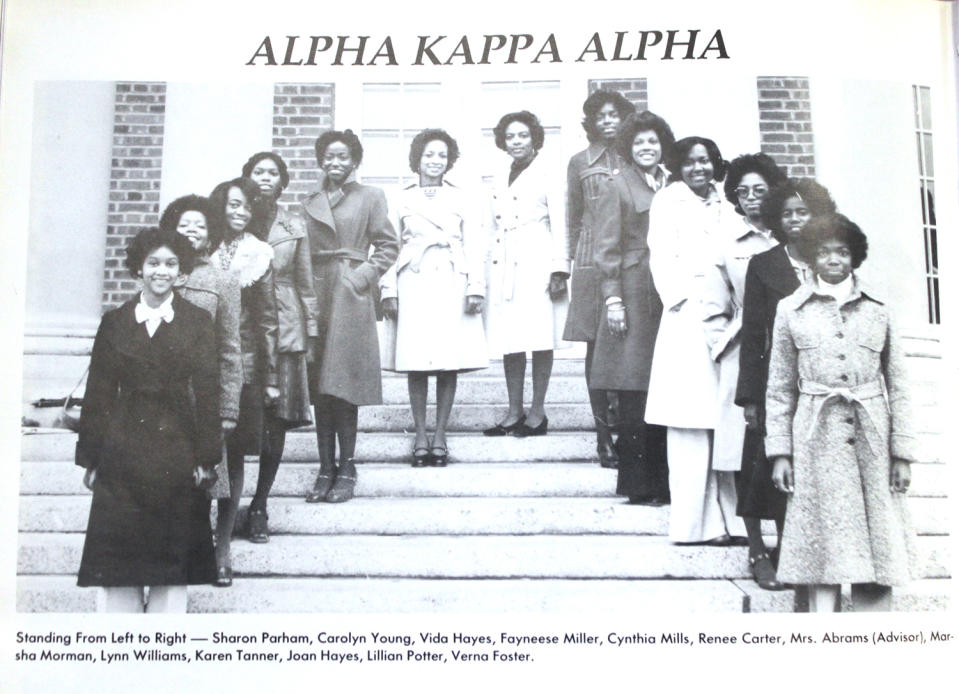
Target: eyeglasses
<point>757,191</point>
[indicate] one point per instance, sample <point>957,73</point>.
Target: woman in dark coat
<point>296,320</point>
<point>344,220</point>
<point>625,339</point>
<point>150,437</point>
<point>603,113</point>
<point>247,259</point>
<point>770,277</point>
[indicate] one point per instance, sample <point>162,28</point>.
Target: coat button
<point>839,335</point>
<point>495,262</point>
<point>842,357</point>
<point>615,172</point>
<point>844,377</point>
<point>851,442</point>
<point>849,420</point>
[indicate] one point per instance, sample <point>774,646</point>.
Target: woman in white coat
<point>528,269</point>
<point>684,229</point>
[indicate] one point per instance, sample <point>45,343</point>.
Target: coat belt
<point>856,395</point>
<point>323,256</point>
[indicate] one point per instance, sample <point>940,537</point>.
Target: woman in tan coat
<point>344,220</point>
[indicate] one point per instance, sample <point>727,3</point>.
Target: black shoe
<point>321,486</point>
<point>438,456</point>
<point>257,526</point>
<point>522,431</point>
<point>608,457</point>
<point>421,456</point>
<point>224,577</point>
<point>501,430</point>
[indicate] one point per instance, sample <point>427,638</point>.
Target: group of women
<point>676,319</point>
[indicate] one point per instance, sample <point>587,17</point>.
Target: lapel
<point>434,211</point>
<point>639,190</point>
<point>132,339</point>
<point>284,228</point>
<point>778,271</point>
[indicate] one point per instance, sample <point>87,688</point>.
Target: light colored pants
<point>703,503</point>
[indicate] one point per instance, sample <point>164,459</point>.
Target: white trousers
<point>703,503</point>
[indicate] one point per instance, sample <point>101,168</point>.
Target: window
<point>927,191</point>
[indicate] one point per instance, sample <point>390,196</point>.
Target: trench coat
<point>295,313</point>
<point>622,256</point>
<point>837,403</point>
<point>583,175</point>
<point>724,288</point>
<point>342,227</point>
<point>441,262</point>
<point>683,235</point>
<point>770,278</point>
<point>527,224</point>
<point>150,415</point>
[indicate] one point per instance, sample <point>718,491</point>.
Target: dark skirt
<point>643,472</point>
<point>293,405</point>
<point>248,434</point>
<point>585,305</point>
<point>758,498</point>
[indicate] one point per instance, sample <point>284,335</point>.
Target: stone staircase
<point>511,525</point>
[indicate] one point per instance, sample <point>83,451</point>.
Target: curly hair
<point>681,149</point>
<point>832,226</point>
<point>151,238</point>
<point>218,198</point>
<point>641,122</point>
<point>526,118</point>
<point>757,163</point>
<point>192,203</point>
<point>347,137</point>
<point>595,101</point>
<point>276,159</point>
<point>423,138</point>
<point>816,197</point>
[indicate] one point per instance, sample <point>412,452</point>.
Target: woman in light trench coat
<point>528,269</point>
<point>344,220</point>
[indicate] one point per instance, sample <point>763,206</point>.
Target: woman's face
<point>833,261</point>
<point>337,162</point>
<point>160,269</point>
<point>192,224</point>
<point>697,169</point>
<point>647,149</point>
<point>238,211</point>
<point>607,121</point>
<point>794,216</point>
<point>433,161</point>
<point>750,192</point>
<point>519,141</point>
<point>266,174</point>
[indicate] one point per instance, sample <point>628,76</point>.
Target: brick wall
<point>138,114</point>
<point>634,90</point>
<point>301,111</point>
<point>785,126</point>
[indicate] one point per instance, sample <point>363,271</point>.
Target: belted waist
<point>323,256</point>
<point>855,395</point>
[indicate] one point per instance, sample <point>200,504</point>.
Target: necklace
<point>429,191</point>
<point>227,252</point>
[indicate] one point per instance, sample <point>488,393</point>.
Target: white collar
<point>152,317</point>
<point>840,291</point>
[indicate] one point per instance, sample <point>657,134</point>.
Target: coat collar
<point>251,260</point>
<point>319,204</point>
<point>595,151</point>
<point>778,272</point>
<point>810,290</point>
<point>639,189</point>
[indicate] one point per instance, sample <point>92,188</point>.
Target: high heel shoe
<point>321,486</point>
<point>421,456</point>
<point>224,577</point>
<point>608,457</point>
<point>342,489</point>
<point>438,460</point>
<point>504,430</point>
<point>524,430</point>
<point>258,528</point>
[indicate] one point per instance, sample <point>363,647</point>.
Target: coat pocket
<point>873,339</point>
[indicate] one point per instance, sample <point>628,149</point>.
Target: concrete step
<point>467,556</point>
<point>491,389</point>
<point>447,516</point>
<point>561,446</point>
<point>570,479</point>
<point>931,594</point>
<point>472,418</point>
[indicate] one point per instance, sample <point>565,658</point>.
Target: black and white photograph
<point>383,340</point>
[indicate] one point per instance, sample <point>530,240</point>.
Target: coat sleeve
<point>902,441</point>
<point>718,308</point>
<point>665,253</point>
<point>382,236</point>
<point>556,209</point>
<point>782,391</point>
<point>389,278</point>
<point>474,244</point>
<point>99,398</point>
<point>750,388</point>
<point>267,325</point>
<point>229,348</point>
<point>574,207</point>
<point>607,244</point>
<point>205,381</point>
<point>303,279</point>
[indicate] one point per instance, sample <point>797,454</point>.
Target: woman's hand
<point>557,285</point>
<point>783,474</point>
<point>204,478</point>
<point>227,425</point>
<point>270,395</point>
<point>474,304</point>
<point>900,476</point>
<point>751,414</point>
<point>90,478</point>
<point>390,307</point>
<point>616,319</point>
